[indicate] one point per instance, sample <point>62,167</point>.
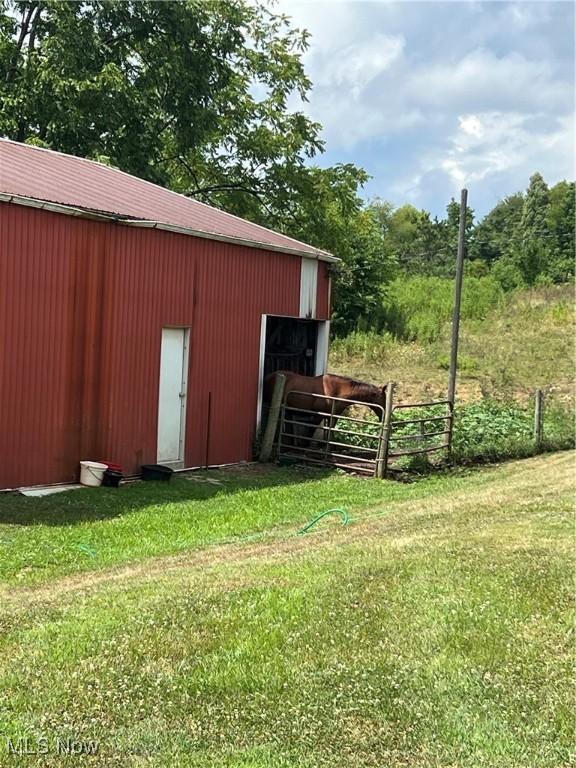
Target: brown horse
<point>309,390</point>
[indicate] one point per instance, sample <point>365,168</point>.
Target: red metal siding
<point>82,306</point>
<point>323,291</point>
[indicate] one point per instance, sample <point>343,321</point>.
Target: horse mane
<point>361,388</point>
<point>354,382</point>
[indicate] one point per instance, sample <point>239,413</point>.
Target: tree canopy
<point>188,94</point>
<point>195,95</point>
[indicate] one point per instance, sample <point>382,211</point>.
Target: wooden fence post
<point>538,418</point>
<point>273,415</point>
<point>382,458</point>
<point>450,430</point>
<point>457,296</point>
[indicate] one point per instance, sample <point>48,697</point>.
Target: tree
<point>449,229</point>
<point>534,232</point>
<point>561,222</point>
<point>191,94</point>
<point>496,236</point>
<point>411,238</point>
<point>330,214</point>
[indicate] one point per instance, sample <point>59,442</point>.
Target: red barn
<point>136,325</point>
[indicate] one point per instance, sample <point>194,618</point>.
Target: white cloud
<point>430,96</point>
<point>348,123</point>
<point>344,73</point>
<point>483,79</point>
<point>495,146</point>
<point>472,125</point>
<point>357,65</point>
<point>485,144</point>
<point>526,15</point>
<point>495,142</point>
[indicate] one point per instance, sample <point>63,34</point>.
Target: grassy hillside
<point>525,342</point>
<point>433,631</point>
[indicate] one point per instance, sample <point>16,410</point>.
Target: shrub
<point>492,430</point>
<point>479,296</point>
<point>489,430</point>
<point>543,280</point>
<point>507,274</point>
<point>465,363</point>
<point>417,308</point>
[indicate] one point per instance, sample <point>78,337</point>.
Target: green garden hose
<point>342,512</point>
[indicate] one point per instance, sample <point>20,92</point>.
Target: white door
<point>172,397</point>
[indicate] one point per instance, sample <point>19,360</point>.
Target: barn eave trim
<point>70,210</point>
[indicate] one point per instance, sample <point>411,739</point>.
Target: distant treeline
<point>526,239</point>
<point>195,96</point>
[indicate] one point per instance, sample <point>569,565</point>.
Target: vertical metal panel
<point>82,307</point>
<point>322,344</point>
<point>308,287</point>
<point>40,396</point>
<point>323,291</point>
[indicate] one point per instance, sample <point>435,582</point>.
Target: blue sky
<point>429,97</point>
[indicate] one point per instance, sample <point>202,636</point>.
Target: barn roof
<point>44,178</point>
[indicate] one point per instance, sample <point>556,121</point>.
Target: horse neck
<point>367,393</point>
<point>371,395</point>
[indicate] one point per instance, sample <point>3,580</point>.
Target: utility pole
<point>457,297</point>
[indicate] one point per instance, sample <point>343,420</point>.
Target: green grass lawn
<point>198,629</point>
<point>91,529</point>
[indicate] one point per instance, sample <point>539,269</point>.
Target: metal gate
<point>353,442</point>
<point>434,431</point>
<point>325,439</point>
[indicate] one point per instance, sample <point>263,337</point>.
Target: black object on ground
<point>112,478</point>
<point>156,472</point>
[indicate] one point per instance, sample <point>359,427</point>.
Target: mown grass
<point>91,529</point>
<point>434,632</point>
<point>523,343</point>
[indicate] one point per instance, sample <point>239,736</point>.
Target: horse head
<point>377,397</point>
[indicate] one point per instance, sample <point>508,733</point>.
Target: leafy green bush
<point>417,308</point>
<point>507,274</point>
<point>559,427</point>
<point>489,430</point>
<point>492,430</point>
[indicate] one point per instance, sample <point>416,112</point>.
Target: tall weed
<point>417,308</point>
<point>368,346</point>
<point>489,430</point>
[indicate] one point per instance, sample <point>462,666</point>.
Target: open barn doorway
<point>291,344</point>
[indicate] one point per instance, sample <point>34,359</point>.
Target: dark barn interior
<point>290,345</point>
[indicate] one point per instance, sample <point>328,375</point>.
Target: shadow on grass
<point>91,504</point>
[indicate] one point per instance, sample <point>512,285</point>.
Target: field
<point>525,343</point>
<point>190,624</point>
